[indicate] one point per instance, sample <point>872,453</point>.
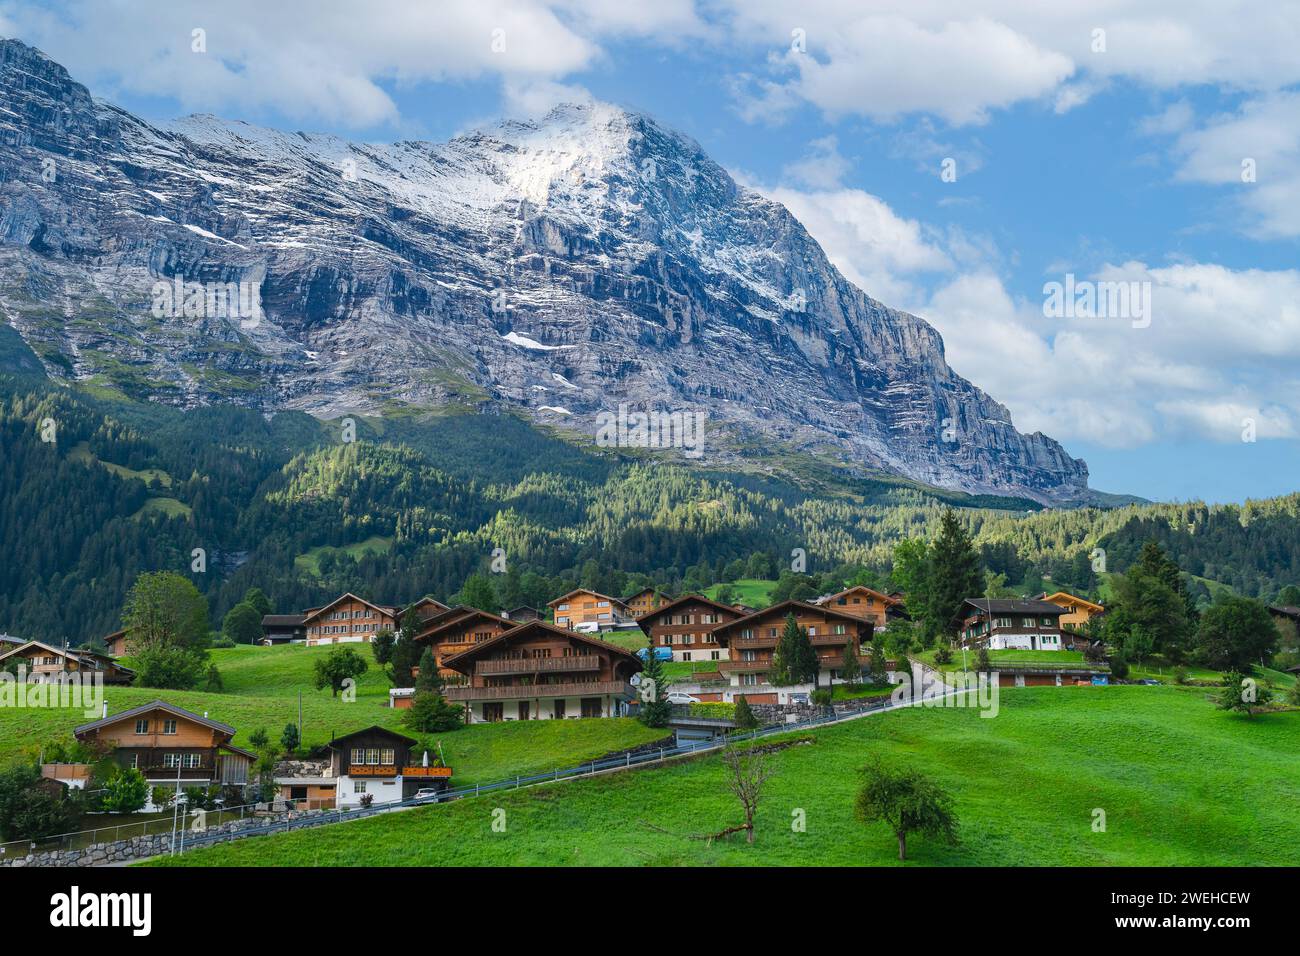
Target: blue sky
<point>1118,155</point>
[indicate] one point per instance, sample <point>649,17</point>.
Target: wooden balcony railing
<point>535,691</point>
<point>538,665</point>
<point>740,666</point>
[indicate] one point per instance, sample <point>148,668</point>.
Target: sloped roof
<point>373,729</point>
<point>604,597</point>
<point>381,608</point>
<point>1014,606</point>
<point>644,619</point>
<point>147,708</point>
<point>784,608</point>
<point>529,627</point>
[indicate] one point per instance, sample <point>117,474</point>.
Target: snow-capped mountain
<point>565,267</point>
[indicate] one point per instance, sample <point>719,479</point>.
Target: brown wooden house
<point>347,619</point>
<point>862,601</point>
<point>380,762</point>
<point>686,625</point>
<point>539,671</point>
<point>46,662</point>
<point>751,642</point>
<point>171,746</point>
<point>457,629</point>
<point>645,601</point>
<point>1005,624</point>
<point>589,611</point>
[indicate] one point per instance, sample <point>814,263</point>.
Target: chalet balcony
<point>536,691</point>
<point>736,666</point>
<point>537,665</point>
<point>752,643</point>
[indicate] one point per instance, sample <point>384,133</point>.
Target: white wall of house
<point>696,655</point>
<point>545,709</point>
<point>383,789</point>
<point>1025,642</point>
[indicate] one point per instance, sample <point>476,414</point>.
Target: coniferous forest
<point>95,490</point>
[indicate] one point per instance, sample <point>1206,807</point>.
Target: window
<point>358,755</point>
<point>749,680</point>
<point>169,726</point>
<point>839,628</point>
<point>812,632</point>
<point>135,762</point>
<point>602,604</point>
<point>388,757</point>
<point>563,607</point>
<point>142,726</point>
<point>358,786</point>
<point>372,756</point>
<point>171,760</point>
<point>191,761</point>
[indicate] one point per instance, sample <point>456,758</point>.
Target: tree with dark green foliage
<point>878,671</point>
<point>943,653</point>
<point>726,594</point>
<point>258,601</point>
<point>1152,606</point>
<point>337,668</point>
<point>906,801</point>
<point>169,668</point>
<point>788,657</point>
<point>982,662</point>
<point>953,574</point>
<point>381,645</point>
<point>1235,633</point>
<point>1242,694</point>
<point>430,713</point>
<point>429,680</point>
<point>1118,666</point>
<point>746,719</point>
<point>850,665</point>
<point>290,739</point>
<point>259,738</point>
<point>164,609</point>
<point>212,683</point>
<point>126,791</point>
<point>405,656</point>
<point>654,711</point>
<point>242,624</point>
<point>478,591</point>
<point>1289,596</point>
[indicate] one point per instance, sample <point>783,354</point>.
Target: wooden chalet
<point>116,643</point>
<point>589,611</point>
<point>380,762</point>
<point>522,614</point>
<point>347,619</point>
<point>645,601</point>
<point>864,602</point>
<point>457,629</point>
<point>45,662</point>
<point>751,642</point>
<point>540,671</point>
<point>686,625</point>
<point>283,629</point>
<point>1006,623</point>
<point>170,746</point>
<point>1077,611</point>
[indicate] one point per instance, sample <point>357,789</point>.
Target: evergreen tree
<point>242,624</point>
<point>655,711</point>
<point>787,663</point>
<point>850,666</point>
<point>429,679</point>
<point>953,574</point>
<point>478,591</point>
<point>746,720</point>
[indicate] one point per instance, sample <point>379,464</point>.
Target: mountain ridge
<point>565,267</point>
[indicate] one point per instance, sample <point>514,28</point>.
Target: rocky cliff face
<point>567,267</point>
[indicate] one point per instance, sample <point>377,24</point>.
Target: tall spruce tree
<point>954,573</point>
<point>655,710</point>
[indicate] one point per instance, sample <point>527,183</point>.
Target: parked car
<point>1149,682</point>
<point>677,697</point>
<point>661,653</point>
<point>427,793</point>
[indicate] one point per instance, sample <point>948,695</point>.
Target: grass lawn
<point>755,592</point>
<point>1181,783</point>
<point>261,686</point>
<point>856,691</point>
<point>1161,669</point>
<point>310,562</point>
<point>1061,658</point>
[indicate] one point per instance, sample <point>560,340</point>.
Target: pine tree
<point>851,667</point>
<point>429,679</point>
<point>954,573</point>
<point>655,710</point>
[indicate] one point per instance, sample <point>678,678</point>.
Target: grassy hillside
<point>1180,782</point>
<point>261,687</point>
<point>752,591</point>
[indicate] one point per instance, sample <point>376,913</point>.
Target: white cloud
<point>1222,347</point>
<point>823,168</point>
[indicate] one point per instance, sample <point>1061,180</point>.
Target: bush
<point>1118,666</point>
<point>822,697</point>
<point>746,719</point>
<point>169,667</point>
<point>289,740</point>
<point>1180,674</point>
<point>943,654</point>
<point>431,713</point>
<point>712,709</point>
<point>126,791</point>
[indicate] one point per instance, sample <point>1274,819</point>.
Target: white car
<point>677,697</point>
<point>428,793</point>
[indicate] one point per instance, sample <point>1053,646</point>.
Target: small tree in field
<point>430,713</point>
<point>851,667</point>
<point>747,771</point>
<point>878,672</point>
<point>289,740</point>
<point>342,664</point>
<point>381,645</point>
<point>429,680</point>
<point>907,802</point>
<point>1242,694</point>
<point>655,711</point>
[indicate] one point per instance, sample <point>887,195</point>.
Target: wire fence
<point>281,820</point>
